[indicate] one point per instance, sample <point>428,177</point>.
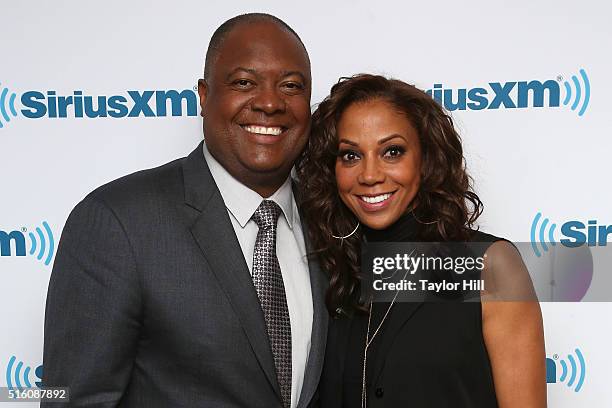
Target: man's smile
<point>264,130</point>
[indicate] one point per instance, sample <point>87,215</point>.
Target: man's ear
<point>202,92</point>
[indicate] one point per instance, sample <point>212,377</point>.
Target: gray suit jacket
<point>151,304</point>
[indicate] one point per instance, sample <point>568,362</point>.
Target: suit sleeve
<point>93,310</point>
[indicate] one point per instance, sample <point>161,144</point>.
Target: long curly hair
<point>445,204</point>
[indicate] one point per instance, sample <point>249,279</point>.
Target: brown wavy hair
<point>445,204</point>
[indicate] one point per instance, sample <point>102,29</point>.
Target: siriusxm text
<point>17,239</point>
<point>37,104</point>
<point>575,234</point>
<point>497,95</point>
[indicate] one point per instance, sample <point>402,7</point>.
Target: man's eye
<point>394,151</point>
<point>243,83</point>
<point>294,85</point>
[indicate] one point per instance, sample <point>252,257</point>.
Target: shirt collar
<point>241,201</point>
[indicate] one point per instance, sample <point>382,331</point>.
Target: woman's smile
<point>376,202</point>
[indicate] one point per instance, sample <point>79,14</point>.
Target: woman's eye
<point>348,156</point>
<point>394,151</point>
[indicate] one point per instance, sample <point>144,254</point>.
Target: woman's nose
<point>371,173</point>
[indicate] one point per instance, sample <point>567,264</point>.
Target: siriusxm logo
<point>573,371</point>
<point>50,104</point>
<point>41,245</point>
<point>518,94</point>
<point>575,233</point>
<point>16,378</point>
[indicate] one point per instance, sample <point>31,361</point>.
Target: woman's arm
<point>512,330</point>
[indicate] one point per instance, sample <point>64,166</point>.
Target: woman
<point>384,163</point>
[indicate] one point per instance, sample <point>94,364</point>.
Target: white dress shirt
<point>241,203</point>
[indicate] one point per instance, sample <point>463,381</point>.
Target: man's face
<point>256,104</point>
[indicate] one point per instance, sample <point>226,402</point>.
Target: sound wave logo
<point>16,378</point>
<point>541,232</point>
<point>44,244</point>
<point>573,370</point>
<point>4,104</point>
<point>577,92</point>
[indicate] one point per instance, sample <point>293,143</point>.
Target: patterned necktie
<point>268,282</point>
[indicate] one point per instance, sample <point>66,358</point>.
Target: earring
<point>346,236</point>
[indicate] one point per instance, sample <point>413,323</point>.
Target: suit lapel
<point>318,285</point>
<point>216,238</point>
<point>314,366</point>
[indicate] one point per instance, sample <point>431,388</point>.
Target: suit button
<point>379,392</point>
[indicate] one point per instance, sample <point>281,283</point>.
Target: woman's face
<point>379,162</point>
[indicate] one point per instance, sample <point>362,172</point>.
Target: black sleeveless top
<point>424,355</point>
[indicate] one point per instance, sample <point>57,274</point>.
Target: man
<point>187,285</point>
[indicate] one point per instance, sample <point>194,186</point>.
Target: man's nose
<point>371,173</point>
<point>269,100</point>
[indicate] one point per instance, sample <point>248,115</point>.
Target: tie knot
<point>266,215</point>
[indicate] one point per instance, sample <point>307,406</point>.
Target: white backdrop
<point>527,160</point>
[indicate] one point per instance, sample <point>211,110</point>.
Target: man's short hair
<point>218,37</point>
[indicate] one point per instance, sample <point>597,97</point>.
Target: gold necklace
<point>368,341</point>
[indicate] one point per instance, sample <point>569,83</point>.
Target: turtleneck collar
<point>406,228</point>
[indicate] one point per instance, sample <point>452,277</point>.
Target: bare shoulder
<point>505,275</point>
